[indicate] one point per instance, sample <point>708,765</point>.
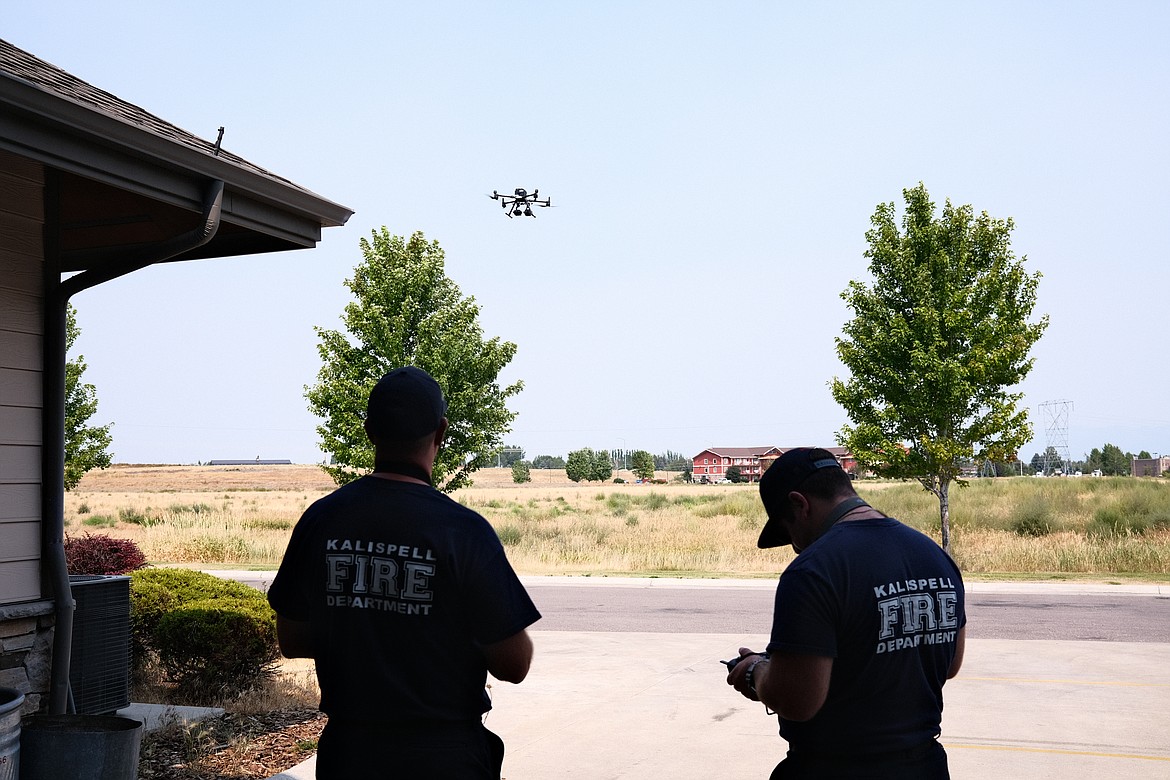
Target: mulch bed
<point>233,746</point>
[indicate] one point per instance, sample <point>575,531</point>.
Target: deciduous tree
<point>602,465</point>
<point>1114,462</point>
<point>935,345</point>
<point>406,311</point>
<point>521,472</point>
<point>86,446</point>
<point>642,464</point>
<point>672,461</point>
<point>548,462</point>
<point>587,465</point>
<point>579,466</point>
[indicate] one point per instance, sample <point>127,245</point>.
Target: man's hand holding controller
<point>741,672</point>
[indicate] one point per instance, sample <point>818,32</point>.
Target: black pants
<point>416,751</point>
<point>928,762</point>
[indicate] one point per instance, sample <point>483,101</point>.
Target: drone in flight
<point>520,203</point>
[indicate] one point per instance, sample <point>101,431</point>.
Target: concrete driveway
<point>645,706</point>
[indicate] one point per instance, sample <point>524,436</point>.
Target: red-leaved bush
<point>101,554</point>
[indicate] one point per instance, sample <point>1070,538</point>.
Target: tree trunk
<point>944,513</point>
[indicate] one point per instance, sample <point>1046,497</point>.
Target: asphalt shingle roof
<point>17,63</point>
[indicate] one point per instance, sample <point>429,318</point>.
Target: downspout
<point>57,294</point>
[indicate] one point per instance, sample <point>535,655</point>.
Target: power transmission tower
<point>1056,416</point>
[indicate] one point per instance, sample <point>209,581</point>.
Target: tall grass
<point>244,528</point>
<point>1110,525</point>
<point>1021,526</point>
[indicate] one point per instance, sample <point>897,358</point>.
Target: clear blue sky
<point>715,166</point>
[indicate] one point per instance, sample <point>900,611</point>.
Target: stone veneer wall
<point>26,648</point>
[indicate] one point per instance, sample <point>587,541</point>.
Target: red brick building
<point>711,464</point>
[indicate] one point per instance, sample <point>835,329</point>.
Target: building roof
<point>739,452</point>
<point>19,63</point>
<point>838,452</point>
<point>755,452</point>
<point>119,166</point>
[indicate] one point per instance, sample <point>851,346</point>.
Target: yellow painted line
<point>1121,683</point>
<point>1092,753</point>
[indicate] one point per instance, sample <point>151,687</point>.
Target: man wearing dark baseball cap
<point>406,404</point>
<point>406,601</point>
<point>868,624</point>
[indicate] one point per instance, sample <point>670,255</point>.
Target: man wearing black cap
<point>405,600</point>
<point>868,624</point>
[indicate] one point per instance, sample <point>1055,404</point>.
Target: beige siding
<point>21,389</point>
<point>20,581</point>
<point>19,465</point>
<point>21,360</point>
<point>21,350</point>
<point>20,426</point>
<point>19,503</point>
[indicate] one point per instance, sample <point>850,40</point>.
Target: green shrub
<point>149,601</point>
<point>652,501</point>
<point>510,535</point>
<point>134,517</point>
<point>187,585</point>
<point>618,503</point>
<point>264,524</point>
<point>100,521</point>
<point>179,615</point>
<point>217,647</point>
<point>1032,525</point>
<point>1033,518</point>
<point>1113,522</point>
<point>190,509</point>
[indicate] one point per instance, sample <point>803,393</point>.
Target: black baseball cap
<point>782,477</point>
<point>405,404</point>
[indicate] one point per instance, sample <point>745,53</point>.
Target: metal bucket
<point>80,747</point>
<point>11,702</point>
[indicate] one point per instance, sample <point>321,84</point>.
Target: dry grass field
<point>241,516</point>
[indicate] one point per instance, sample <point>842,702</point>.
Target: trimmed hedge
<point>218,646</point>
<point>211,636</point>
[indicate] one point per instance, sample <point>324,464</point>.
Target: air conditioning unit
<point>99,666</point>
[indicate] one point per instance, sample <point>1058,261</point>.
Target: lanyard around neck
<point>842,509</point>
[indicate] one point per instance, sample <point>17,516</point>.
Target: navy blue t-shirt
<point>886,603</point>
<point>402,587</point>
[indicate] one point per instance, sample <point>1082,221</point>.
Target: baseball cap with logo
<point>784,476</point>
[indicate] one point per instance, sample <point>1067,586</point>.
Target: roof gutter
<point>57,295</point>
